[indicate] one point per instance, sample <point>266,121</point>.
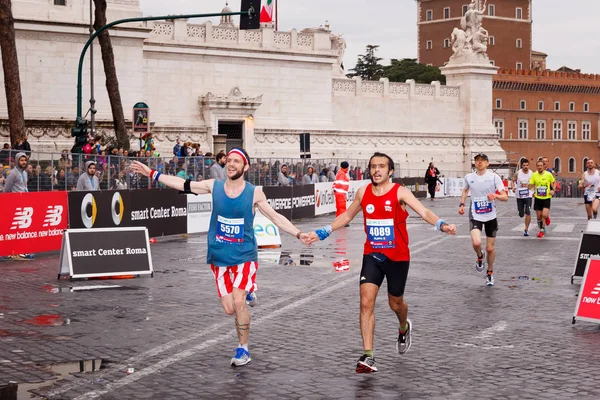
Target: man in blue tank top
<point>232,250</point>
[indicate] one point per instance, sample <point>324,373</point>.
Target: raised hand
<point>139,168</point>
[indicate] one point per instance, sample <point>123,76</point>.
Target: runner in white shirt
<point>520,187</point>
<point>590,182</point>
<point>483,185</point>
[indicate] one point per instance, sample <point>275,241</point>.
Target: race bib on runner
<point>523,192</point>
<point>482,206</point>
<point>542,191</point>
<point>380,233</point>
<point>230,231</point>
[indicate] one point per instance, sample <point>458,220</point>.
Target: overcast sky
<point>561,29</point>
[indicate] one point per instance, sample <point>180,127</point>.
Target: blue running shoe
<point>251,299</point>
<point>241,357</point>
<point>525,233</point>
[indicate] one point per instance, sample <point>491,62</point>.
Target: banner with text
<point>292,202</point>
<point>199,210</point>
<point>32,222</point>
<point>588,301</point>
<point>416,185</point>
<point>325,198</point>
<point>163,212</point>
<point>105,252</point>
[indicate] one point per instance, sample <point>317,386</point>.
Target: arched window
<point>572,165</point>
<point>584,165</point>
<point>557,165</point>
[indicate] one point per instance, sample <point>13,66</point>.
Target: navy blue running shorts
<point>375,269</point>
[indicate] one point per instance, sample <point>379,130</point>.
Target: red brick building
<point>509,23</point>
<point>548,113</point>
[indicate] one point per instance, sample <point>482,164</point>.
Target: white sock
<point>244,346</point>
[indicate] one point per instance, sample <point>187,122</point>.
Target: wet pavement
<point>511,341</point>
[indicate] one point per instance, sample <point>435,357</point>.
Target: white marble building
<point>203,82</point>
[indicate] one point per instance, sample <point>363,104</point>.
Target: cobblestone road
<point>512,341</point>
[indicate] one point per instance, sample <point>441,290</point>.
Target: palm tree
<point>10,65</point>
<point>112,82</point>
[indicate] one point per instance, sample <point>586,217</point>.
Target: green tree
<point>409,68</point>
<point>367,65</point>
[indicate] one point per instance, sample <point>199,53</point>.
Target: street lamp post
<point>92,100</point>
<point>250,13</point>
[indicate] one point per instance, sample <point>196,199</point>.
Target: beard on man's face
<point>238,175</point>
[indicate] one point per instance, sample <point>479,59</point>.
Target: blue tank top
<point>231,239</point>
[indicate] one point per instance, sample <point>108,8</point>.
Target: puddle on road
<point>62,371</point>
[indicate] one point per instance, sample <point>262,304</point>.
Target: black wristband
<point>462,205</point>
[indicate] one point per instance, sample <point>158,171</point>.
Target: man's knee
<point>367,304</point>
<point>476,242</point>
<point>228,307</point>
<point>397,303</point>
<point>239,304</point>
<point>489,248</point>
<point>522,213</point>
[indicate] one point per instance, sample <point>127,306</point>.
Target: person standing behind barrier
<point>310,176</point>
<point>16,182</point>
<point>282,176</point>
<point>340,188</point>
<point>88,180</point>
<point>217,170</point>
<point>431,178</point>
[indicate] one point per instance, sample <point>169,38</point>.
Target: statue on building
<point>226,20</point>
<point>338,44</point>
<point>469,43</point>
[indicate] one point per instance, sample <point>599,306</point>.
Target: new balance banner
<point>32,222</point>
<point>588,301</point>
<point>292,201</point>
<point>163,212</point>
<point>105,252</point>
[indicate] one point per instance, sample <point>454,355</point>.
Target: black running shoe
<point>366,365</point>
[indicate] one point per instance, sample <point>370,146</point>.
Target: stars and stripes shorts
<point>241,276</point>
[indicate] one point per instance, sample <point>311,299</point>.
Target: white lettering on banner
<point>325,198</point>
<point>32,235</point>
<point>585,256</point>
<point>53,216</point>
<point>23,218</point>
<point>108,252</point>
<point>591,300</point>
<point>280,204</point>
<point>303,201</point>
<point>158,213</point>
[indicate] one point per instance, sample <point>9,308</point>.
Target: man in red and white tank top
<point>386,253</point>
<point>340,188</point>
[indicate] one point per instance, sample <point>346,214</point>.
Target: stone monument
<point>470,69</point>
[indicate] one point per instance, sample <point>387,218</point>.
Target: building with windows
<point>508,22</point>
<point>548,113</point>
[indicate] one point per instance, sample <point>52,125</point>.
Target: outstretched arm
<point>173,182</point>
<point>406,196</point>
<point>279,220</point>
<point>340,222</point>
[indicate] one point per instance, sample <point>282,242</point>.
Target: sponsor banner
<point>589,247</point>
<point>588,301</point>
<point>32,222</point>
<point>163,212</point>
<point>105,252</point>
<point>292,201</point>
<point>199,210</point>
<point>416,185</point>
<point>266,233</point>
<point>325,198</point>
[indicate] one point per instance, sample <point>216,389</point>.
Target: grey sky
<point>561,29</point>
